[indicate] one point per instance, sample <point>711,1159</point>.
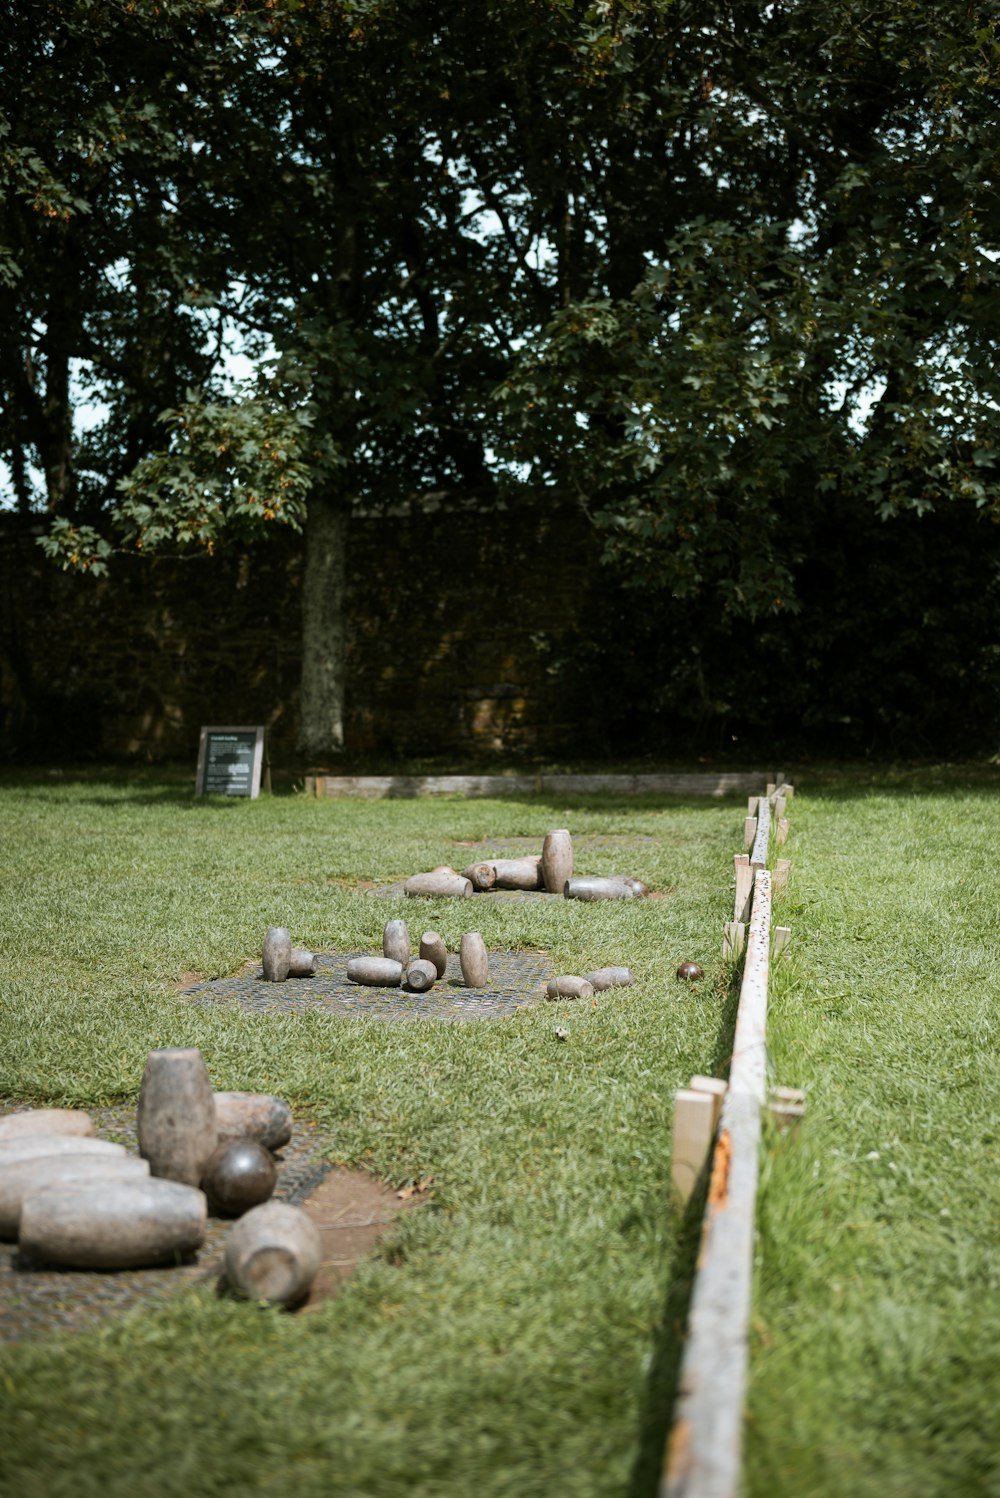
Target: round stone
<point>689,971</point>
<point>239,1174</point>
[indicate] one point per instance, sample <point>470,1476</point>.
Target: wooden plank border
<point>376,787</point>
<point>705,1448</point>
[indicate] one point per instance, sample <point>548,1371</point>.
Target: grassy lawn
<point>520,1333</point>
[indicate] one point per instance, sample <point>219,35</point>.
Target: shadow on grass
<point>664,1374</point>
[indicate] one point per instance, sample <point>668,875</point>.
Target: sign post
<point>230,762</point>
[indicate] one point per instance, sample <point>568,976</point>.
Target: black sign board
<point>230,761</point>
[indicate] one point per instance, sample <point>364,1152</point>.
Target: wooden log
<point>749,831</point>
<point>704,1451</point>
<point>433,949</point>
<point>782,936</point>
<point>175,1119</point>
<point>273,1254</point>
<point>694,1129</point>
<point>420,975</point>
<point>733,940</point>
<point>433,885</point>
<point>396,941</point>
<point>716,1088</point>
<point>744,884</point>
<point>69,1121</point>
<point>569,986</point>
<point>777,806</point>
<point>519,873</point>
<point>780,876</point>
<point>782,832</point>
<point>481,876</point>
<point>752,805</point>
<point>301,964</point>
<point>113,1224</point>
<point>474,960</point>
<point>609,977</point>
<point>758,852</point>
<point>253,1115</point>
<point>377,972</point>
<point>277,954</point>
<point>612,887</point>
<point>557,859</point>
<point>18,1177</point>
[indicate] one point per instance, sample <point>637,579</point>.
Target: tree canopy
<point>713,271</point>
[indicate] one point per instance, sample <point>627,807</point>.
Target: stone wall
<point>460,640</point>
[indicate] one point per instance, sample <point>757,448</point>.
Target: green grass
<point>521,1334</point>
<point>874,1356</point>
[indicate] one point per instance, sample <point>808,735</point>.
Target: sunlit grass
<point>521,1333</point>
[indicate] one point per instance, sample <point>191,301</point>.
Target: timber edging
<point>401,787</point>
<point>704,1449</point>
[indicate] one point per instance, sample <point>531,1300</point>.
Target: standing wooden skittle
<point>175,1118</point>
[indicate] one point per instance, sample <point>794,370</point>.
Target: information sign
<point>230,761</point>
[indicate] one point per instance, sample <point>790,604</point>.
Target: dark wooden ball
<point>239,1174</point>
<point>689,971</point>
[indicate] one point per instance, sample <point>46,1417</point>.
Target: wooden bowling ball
<point>239,1174</point>
<point>689,971</point>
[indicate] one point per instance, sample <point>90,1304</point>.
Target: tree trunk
<point>321,719</point>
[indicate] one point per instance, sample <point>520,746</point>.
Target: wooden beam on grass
<point>782,936</point>
<point>782,836</point>
<point>704,1452</point>
<point>758,852</point>
<point>749,831</point>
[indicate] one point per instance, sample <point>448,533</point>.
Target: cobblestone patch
<point>38,1301</point>
<point>516,980</point>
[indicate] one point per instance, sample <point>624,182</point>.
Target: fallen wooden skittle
<point>481,876</point>
<point>420,975</point>
<point>569,986</point>
<point>377,972</point>
<point>438,885</point>
<point>301,964</point>
<point>611,887</point>
<point>18,1177</point>
<point>519,873</point>
<point>609,977</point>
<point>253,1115</point>
<point>68,1121</point>
<point>32,1146</point>
<point>175,1118</point>
<point>106,1224</point>
<point>273,1254</point>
